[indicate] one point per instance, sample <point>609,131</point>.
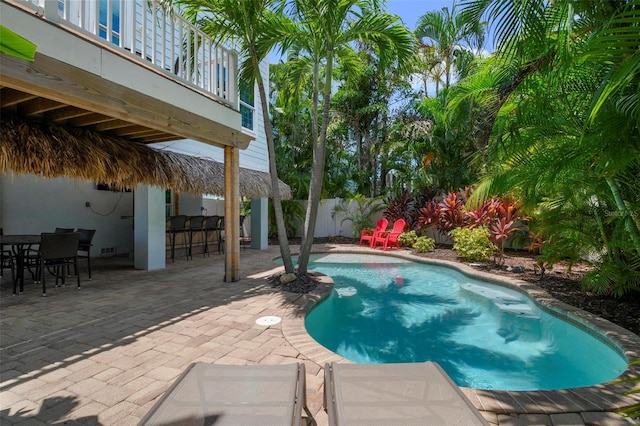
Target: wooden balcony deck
<point>80,79</point>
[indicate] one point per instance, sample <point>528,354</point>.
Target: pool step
<point>503,300</point>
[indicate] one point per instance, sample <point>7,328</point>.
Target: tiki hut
<point>50,150</point>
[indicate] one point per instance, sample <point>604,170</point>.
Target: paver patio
<point>104,354</point>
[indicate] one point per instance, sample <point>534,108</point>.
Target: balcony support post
<point>231,214</point>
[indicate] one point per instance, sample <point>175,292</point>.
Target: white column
<point>149,228</point>
<point>259,223</point>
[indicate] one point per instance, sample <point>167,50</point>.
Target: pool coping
<point>609,396</point>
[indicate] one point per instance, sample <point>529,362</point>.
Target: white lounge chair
<point>395,394</point>
<point>213,394</point>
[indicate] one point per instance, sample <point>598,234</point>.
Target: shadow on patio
<point>107,351</point>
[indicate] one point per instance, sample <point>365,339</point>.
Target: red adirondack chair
<point>387,238</point>
<point>369,234</point>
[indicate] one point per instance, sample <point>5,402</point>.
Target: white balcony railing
<point>148,31</point>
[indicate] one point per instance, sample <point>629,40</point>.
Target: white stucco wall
<point>31,205</point>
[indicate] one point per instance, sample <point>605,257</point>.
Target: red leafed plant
<point>428,215</point>
<point>484,214</point>
<point>401,208</point>
<point>451,212</point>
<point>507,210</point>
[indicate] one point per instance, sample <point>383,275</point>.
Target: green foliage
<point>407,239</point>
<point>361,215</point>
<point>430,148</point>
<point>445,31</point>
<point>293,214</point>
<point>424,244</point>
<point>473,244</point>
<point>617,276</point>
<point>560,128</point>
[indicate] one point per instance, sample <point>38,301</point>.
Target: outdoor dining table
<point>18,244</point>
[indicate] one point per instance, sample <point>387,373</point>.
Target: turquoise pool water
<point>384,310</point>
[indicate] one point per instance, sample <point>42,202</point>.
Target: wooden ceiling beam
<point>10,97</point>
<point>89,120</point>
<point>159,138</point>
<point>62,82</point>
<point>66,113</point>
<point>111,125</point>
<point>132,131</point>
<point>38,106</point>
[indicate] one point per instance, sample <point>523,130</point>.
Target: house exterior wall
<point>31,205</point>
<point>255,157</point>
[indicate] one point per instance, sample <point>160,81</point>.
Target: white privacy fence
<point>327,224</point>
<point>153,33</point>
<point>339,226</point>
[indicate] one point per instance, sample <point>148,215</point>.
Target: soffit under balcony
<point>76,82</point>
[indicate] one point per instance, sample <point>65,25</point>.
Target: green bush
<point>424,244</point>
<point>359,211</point>
<point>407,239</point>
<point>473,244</point>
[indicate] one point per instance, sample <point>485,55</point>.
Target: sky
<point>411,10</point>
<point>408,10</point>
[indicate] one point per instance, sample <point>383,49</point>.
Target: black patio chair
<point>196,228</point>
<point>57,251</point>
<point>221,235</point>
<point>63,230</point>
<point>243,238</point>
<point>6,259</point>
<point>177,225</point>
<point>84,246</point>
<point>210,229</point>
<point>58,231</point>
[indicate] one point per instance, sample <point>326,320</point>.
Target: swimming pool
<point>384,309</point>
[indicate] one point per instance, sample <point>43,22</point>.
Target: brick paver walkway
<point>104,354</point>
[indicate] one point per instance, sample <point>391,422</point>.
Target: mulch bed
<point>561,282</point>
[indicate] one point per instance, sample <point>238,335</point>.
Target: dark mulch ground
<point>560,282</point>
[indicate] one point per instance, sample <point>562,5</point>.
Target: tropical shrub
<point>473,244</point>
<point>407,239</point>
<point>424,244</point>
<point>401,208</point>
<point>428,215</point>
<point>451,210</point>
<point>293,214</point>
<point>361,215</point>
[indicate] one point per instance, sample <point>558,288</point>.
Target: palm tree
<point>292,127</point>
<point>254,26</point>
<point>562,93</point>
<point>428,66</point>
<point>326,29</point>
<point>449,33</point>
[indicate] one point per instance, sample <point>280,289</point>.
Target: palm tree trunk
<point>314,141</point>
<point>317,170</point>
<point>488,117</point>
<point>283,241</point>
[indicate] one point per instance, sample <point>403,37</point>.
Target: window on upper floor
<point>247,104</point>
<point>110,8</point>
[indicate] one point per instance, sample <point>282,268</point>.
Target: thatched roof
<point>51,150</point>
